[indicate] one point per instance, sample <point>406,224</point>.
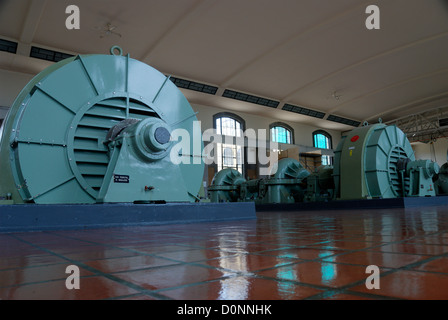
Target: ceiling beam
<point>228,81</point>
<point>420,102</point>
<point>396,84</point>
<point>367,60</point>
<point>31,22</point>
<point>30,25</point>
<point>200,8</point>
<point>437,110</point>
<point>424,126</point>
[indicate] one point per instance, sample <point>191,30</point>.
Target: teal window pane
<point>280,135</point>
<point>321,141</point>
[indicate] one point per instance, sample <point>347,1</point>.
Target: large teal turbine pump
<point>287,185</point>
<point>97,128</point>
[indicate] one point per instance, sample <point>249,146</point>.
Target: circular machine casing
<point>98,128</point>
<point>320,185</point>
<point>225,186</point>
<point>377,161</point>
<point>286,185</point>
<point>442,180</point>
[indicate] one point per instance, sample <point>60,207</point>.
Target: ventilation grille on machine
<point>91,153</point>
<point>397,184</point>
<point>250,98</point>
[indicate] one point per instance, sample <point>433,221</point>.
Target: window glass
<point>322,140</point>
<point>229,155</point>
<point>280,135</point>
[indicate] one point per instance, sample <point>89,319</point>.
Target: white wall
<point>437,154</point>
<point>303,134</point>
<point>11,83</point>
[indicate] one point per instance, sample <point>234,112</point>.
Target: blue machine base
<point>34,217</point>
<point>409,202</point>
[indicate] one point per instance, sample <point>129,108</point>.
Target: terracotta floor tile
<point>248,262</point>
<point>242,288</point>
<point>29,261</point>
<point>301,253</point>
<point>138,297</point>
<point>92,288</point>
<point>411,285</point>
<point>241,247</point>
<point>269,238</point>
<point>437,240</point>
<point>319,273</point>
<point>39,237</point>
<point>195,255</point>
<point>380,259</point>
<point>99,254</point>
<point>345,296</point>
<point>19,252</point>
<point>60,248</point>
<point>298,242</point>
<point>414,248</point>
<point>437,265</point>
<point>172,276</point>
<point>267,258</point>
<point>376,238</point>
<point>160,248</point>
<point>347,245</point>
<point>37,274</point>
<point>134,244</point>
<point>127,263</point>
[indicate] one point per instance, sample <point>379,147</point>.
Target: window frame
<point>284,126</point>
<point>242,123</point>
<point>330,142</point>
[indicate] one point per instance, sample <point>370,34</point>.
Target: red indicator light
<point>354,139</point>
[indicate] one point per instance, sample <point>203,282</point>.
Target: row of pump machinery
<point>372,162</point>
<point>97,129</point>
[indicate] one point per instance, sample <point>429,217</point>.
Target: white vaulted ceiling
<point>315,54</point>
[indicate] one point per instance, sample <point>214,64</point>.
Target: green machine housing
<point>286,185</point>
<point>442,180</point>
<point>377,161</point>
<point>97,128</point>
<point>226,186</point>
<point>320,185</point>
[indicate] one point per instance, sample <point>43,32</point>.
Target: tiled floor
<point>279,256</point>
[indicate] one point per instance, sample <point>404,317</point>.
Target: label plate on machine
<point>119,178</point>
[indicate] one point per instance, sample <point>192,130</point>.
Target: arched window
<point>281,133</point>
<point>229,155</point>
<point>322,140</point>
<point>227,126</point>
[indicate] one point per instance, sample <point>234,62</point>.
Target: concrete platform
<point>409,202</point>
<point>34,217</point>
